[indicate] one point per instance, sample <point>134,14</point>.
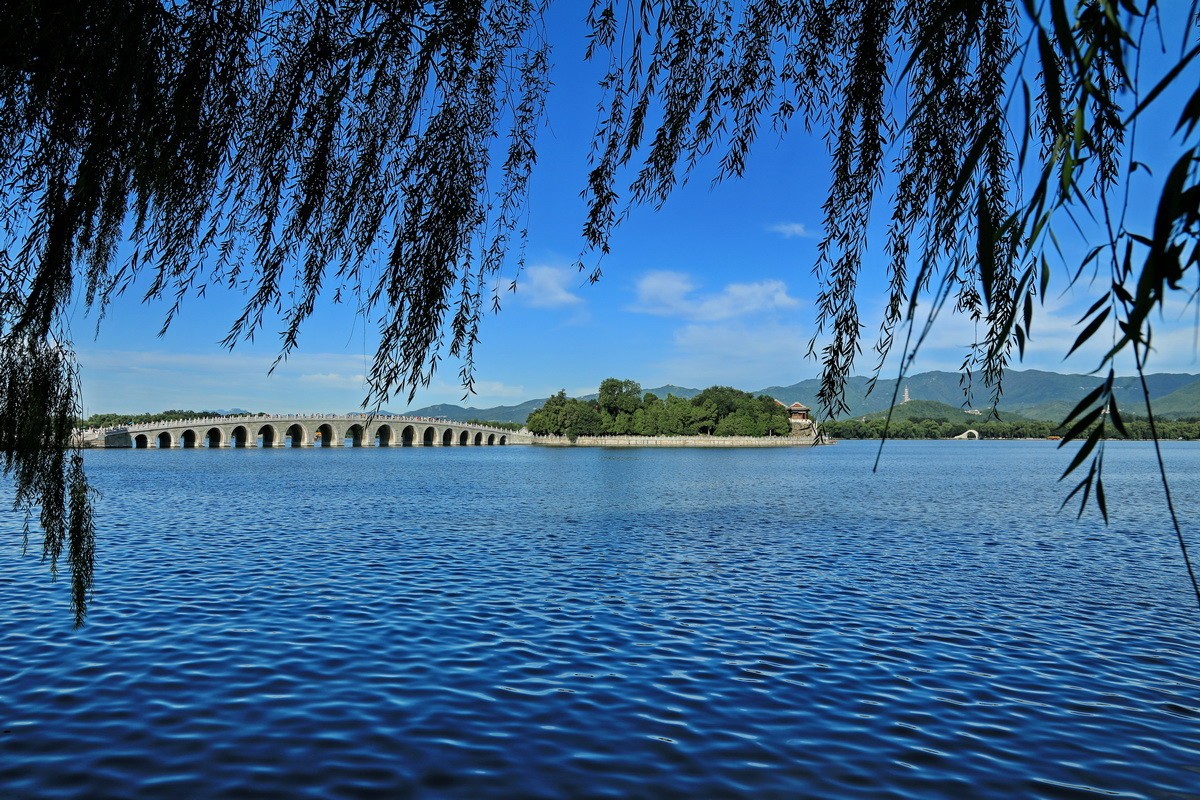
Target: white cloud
<point>792,230</point>
<point>672,294</point>
<point>1055,328</point>
<point>747,354</point>
<point>131,380</point>
<point>548,287</point>
<point>664,293</point>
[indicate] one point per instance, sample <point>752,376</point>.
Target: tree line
<point>941,428</point>
<point>620,409</point>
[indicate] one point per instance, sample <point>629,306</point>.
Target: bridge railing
<point>269,418</point>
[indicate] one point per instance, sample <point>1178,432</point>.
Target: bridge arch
<point>447,437</point>
<point>187,439</point>
<point>463,438</point>
<point>503,439</point>
<point>141,441</point>
<point>296,435</point>
<point>163,440</point>
<point>239,436</point>
<point>353,436</point>
<point>325,436</point>
<point>408,436</point>
<point>384,436</point>
<point>968,434</point>
<point>491,438</point>
<point>478,439</point>
<point>269,435</point>
<point>428,437</point>
<point>214,438</point>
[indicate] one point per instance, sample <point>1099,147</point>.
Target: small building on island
<point>802,425</point>
<point>797,412</point>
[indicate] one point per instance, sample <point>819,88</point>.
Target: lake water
<point>536,622</point>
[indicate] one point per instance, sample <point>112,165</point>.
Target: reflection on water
<point>529,622</point>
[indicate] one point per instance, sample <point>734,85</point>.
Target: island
<point>620,415</point>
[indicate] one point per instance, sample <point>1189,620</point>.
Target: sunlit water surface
<point>521,622</point>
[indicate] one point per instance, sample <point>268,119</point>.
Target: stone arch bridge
<point>303,430</point>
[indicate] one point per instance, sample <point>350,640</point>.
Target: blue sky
<point>714,288</point>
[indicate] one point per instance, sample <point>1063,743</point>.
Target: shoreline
<point>678,441</point>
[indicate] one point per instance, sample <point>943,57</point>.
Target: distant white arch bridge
<point>303,430</point>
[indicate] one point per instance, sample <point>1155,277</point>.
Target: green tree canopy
<point>617,395</point>
<point>717,410</point>
<point>565,416</point>
<point>725,399</point>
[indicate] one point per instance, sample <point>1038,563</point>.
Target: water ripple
<point>516,622</point>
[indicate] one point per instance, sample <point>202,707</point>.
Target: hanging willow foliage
<point>284,149</point>
<point>999,118</point>
<point>38,401</point>
<point>381,153</point>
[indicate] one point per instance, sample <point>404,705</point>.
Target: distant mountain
<point>806,392</point>
<point>1028,394</point>
<point>670,388</point>
<point>1183,402</point>
<point>517,413</point>
<point>1033,394</point>
<point>1049,395</point>
<point>933,409</point>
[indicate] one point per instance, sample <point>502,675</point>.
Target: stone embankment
<point>676,441</point>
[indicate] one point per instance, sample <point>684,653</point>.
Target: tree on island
<point>565,416</point>
<point>621,409</point>
<point>616,396</point>
<point>285,149</point>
